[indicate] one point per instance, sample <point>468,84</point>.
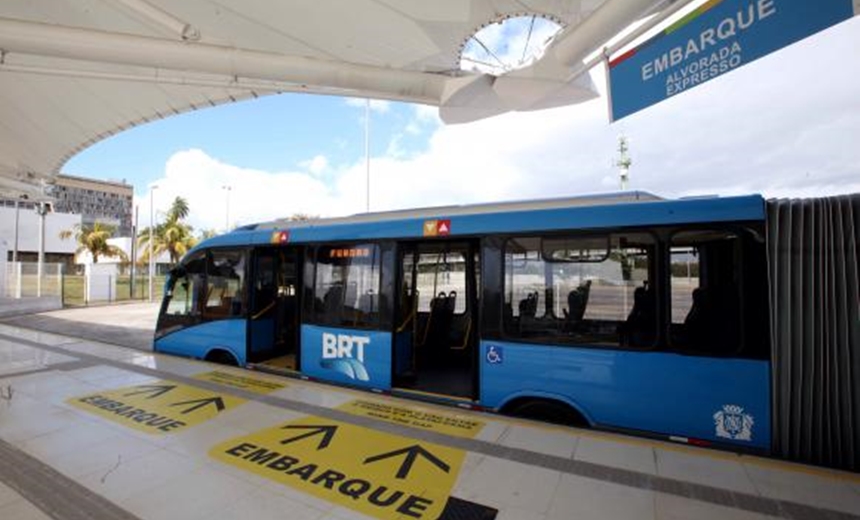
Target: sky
<point>787,125</point>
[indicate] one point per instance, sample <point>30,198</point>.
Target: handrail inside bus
<point>264,310</point>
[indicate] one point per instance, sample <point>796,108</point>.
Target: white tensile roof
<point>73,72</point>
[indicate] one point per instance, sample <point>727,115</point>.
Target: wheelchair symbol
<point>494,355</point>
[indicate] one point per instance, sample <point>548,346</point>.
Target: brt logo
<point>345,354</point>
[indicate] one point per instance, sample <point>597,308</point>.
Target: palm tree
<point>178,210</point>
<point>95,240</point>
<point>172,236</point>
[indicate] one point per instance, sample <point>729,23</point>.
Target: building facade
<point>94,200</point>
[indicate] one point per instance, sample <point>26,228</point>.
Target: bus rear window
<point>717,293</point>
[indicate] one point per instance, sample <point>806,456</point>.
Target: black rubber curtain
<point>813,249</point>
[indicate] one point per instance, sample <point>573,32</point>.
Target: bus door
<point>435,334</point>
<point>274,317</point>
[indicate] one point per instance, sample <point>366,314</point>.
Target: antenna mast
<point>624,162</point>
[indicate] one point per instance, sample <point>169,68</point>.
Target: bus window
<point>183,299</point>
<point>186,286</point>
<point>346,286</point>
<point>225,287</point>
<point>717,286</point>
<point>441,273</point>
<point>526,285</point>
<point>590,290</point>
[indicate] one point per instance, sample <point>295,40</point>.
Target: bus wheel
<point>546,410</point>
<point>222,357</point>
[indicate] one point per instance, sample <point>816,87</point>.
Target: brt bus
<point>720,321</point>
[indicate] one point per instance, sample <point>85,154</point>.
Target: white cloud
<point>254,196</point>
<point>424,116</point>
<point>379,106</point>
<point>316,166</point>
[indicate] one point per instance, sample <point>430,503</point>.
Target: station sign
<point>159,407</point>
<point>378,474</point>
<point>716,38</point>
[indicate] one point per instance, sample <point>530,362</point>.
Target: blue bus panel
<point>198,340</point>
<point>354,357</point>
<point>719,400</point>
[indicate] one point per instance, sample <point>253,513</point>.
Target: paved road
<point>129,324</point>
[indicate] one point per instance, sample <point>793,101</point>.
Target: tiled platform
<point>96,462</point>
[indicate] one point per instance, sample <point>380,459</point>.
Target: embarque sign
<point>158,407</point>
<point>716,38</point>
<point>378,474</point>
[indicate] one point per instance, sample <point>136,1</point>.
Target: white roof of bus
<point>604,199</point>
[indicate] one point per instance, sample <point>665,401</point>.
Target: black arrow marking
<point>155,390</point>
<point>412,453</point>
<point>327,431</point>
<point>200,403</point>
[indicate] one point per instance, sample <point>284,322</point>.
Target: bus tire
<point>546,410</point>
<point>222,357</point>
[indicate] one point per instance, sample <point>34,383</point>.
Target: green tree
<point>172,236</point>
<point>95,240</point>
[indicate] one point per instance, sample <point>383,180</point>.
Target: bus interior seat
<point>640,327</point>
<point>707,329</point>
<point>440,319</point>
<point>367,302</point>
<point>451,302</point>
<point>528,305</point>
<point>333,300</point>
<point>695,326</point>
<point>577,301</point>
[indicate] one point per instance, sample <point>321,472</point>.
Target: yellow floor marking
<point>449,424</point>
<point>158,407</point>
<point>255,384</point>
<point>381,475</point>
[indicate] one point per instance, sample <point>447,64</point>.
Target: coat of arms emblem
<point>732,423</point>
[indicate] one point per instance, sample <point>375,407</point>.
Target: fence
<point>22,280</point>
<point>118,289</point>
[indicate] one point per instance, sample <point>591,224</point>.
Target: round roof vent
<point>509,43</point>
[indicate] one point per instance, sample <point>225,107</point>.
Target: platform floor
<point>92,430</point>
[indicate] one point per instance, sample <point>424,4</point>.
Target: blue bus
<point>623,312</point>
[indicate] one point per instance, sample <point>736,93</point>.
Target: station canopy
<point>75,72</point>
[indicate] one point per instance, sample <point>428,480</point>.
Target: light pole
<point>151,245</point>
<point>17,207</point>
<point>42,209</point>
<point>228,189</point>
<point>367,149</point>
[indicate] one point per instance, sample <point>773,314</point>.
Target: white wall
<point>100,282</point>
<point>28,230</point>
<point>123,243</point>
<point>4,248</point>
